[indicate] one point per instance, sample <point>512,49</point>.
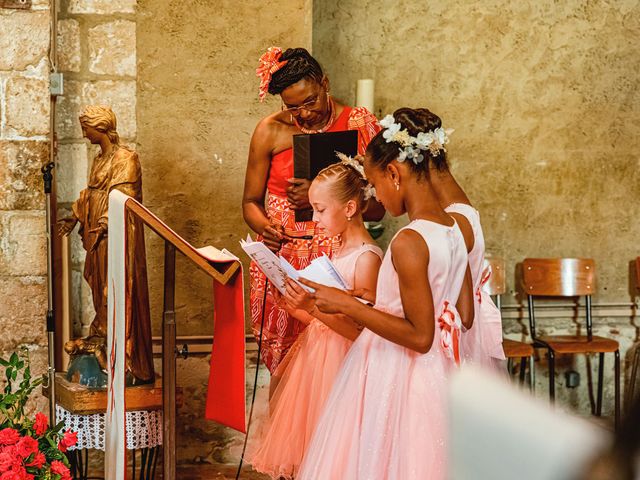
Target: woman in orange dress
<point>271,194</point>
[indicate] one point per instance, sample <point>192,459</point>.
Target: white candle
<point>364,93</point>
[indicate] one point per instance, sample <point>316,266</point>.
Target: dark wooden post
<point>169,364</point>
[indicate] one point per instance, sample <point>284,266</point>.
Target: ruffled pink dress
<point>307,374</point>
<point>482,343</point>
<point>386,417</point>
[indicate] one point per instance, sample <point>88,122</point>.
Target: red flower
<point>41,424</point>
<point>9,436</point>
<point>59,468</point>
<point>26,446</point>
<point>69,440</point>
<point>10,476</point>
<point>38,460</point>
<point>7,460</point>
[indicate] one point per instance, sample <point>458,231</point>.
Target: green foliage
<point>15,397</point>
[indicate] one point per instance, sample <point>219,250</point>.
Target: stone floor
<point>204,472</point>
<point>217,472</point>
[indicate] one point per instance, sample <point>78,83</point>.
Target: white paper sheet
<point>267,261</point>
<point>277,269</point>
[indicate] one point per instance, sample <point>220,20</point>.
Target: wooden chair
<point>569,277</point>
<point>496,286</point>
<point>631,390</point>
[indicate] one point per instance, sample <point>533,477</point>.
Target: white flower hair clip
<point>369,191</point>
<point>354,163</point>
<point>412,147</point>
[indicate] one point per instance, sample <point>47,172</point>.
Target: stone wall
<point>543,98</point>
<point>24,148</point>
<point>197,106</point>
<point>545,101</point>
<point>97,55</point>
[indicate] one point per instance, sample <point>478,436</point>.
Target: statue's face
<point>91,133</point>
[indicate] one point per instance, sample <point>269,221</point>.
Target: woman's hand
<point>298,193</point>
<point>329,299</point>
<point>273,236</point>
<point>66,226</point>
<point>298,298</point>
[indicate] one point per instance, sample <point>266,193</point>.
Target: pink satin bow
<point>269,64</point>
<point>450,327</point>
<point>486,274</point>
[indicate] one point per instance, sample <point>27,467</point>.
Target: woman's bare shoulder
<point>274,123</point>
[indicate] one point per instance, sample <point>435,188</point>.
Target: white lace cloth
<point>143,427</point>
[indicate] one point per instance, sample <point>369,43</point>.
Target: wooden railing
<point>221,273</point>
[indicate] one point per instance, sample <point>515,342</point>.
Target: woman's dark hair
<point>300,64</point>
<point>414,121</point>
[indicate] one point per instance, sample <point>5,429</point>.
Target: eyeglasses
<point>308,106</point>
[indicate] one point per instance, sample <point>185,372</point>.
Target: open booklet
<point>214,255</point>
<point>277,269</point>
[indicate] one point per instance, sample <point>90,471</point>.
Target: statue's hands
<point>298,193</point>
<point>66,226</point>
<point>100,232</point>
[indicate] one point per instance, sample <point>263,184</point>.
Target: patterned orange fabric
<point>280,330</point>
<point>366,123</point>
<point>269,64</point>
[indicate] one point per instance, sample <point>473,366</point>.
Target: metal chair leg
<point>143,461</point>
<point>532,373</point>
<point>552,375</point>
<point>153,455</point>
<point>523,369</point>
<point>600,385</point>
<point>617,388</point>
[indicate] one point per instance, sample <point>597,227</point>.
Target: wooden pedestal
<point>81,400</point>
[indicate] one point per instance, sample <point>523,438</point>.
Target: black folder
<point>313,152</point>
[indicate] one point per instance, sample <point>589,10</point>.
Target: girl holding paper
<point>307,372</point>
<point>386,416</point>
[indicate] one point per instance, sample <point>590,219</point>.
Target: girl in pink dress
<point>307,372</point>
<point>385,417</point>
<point>482,344</point>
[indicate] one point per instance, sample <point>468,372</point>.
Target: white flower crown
<point>368,189</point>
<point>412,147</point>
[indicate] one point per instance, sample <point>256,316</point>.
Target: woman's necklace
<point>327,126</point>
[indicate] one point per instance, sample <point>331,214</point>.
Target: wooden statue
<point>117,166</point>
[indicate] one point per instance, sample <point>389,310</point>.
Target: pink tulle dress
<point>306,374</point>
<point>386,416</point>
<point>482,343</point>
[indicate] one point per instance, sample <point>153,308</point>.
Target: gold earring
<point>397,184</point>
<point>349,219</point>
